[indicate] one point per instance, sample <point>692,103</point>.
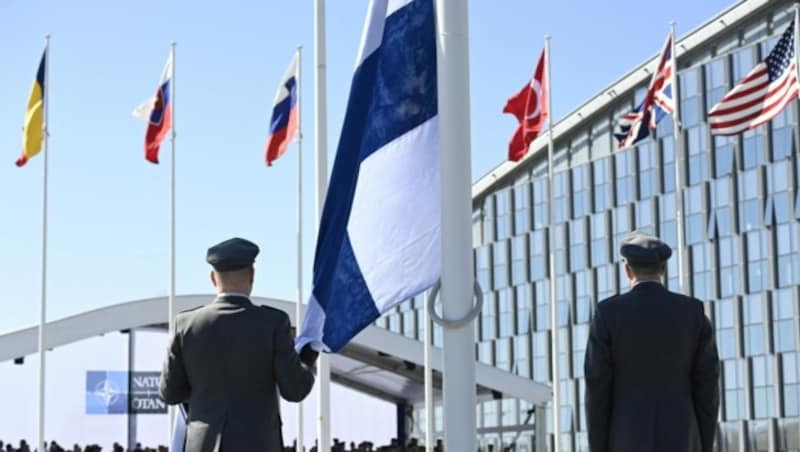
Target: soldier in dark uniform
<point>230,359</point>
<point>652,370</point>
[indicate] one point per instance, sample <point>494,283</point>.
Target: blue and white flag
<point>379,237</point>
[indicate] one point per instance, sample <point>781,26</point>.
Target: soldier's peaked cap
<point>232,254</point>
<point>640,248</point>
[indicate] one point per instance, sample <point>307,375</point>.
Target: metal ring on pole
<point>458,323</point>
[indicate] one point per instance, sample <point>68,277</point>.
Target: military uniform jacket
<point>228,360</point>
<point>652,374</point>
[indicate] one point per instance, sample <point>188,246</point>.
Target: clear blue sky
<point>108,238</point>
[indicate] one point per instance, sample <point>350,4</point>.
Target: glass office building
<point>741,214</point>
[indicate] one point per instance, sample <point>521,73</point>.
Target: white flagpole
<point>456,204</point>
<point>43,307</point>
<point>171,307</point>
<point>797,39</point>
<point>299,306</point>
<point>683,275</point>
<point>321,144</point>
<point>554,339</point>
<point>428,376</point>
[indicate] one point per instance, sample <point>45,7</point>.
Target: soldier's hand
<point>308,355</point>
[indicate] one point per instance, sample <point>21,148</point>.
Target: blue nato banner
<point>119,392</point>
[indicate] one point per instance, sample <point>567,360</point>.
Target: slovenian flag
<point>285,111</point>
<point>33,128</point>
<point>157,111</point>
<point>379,238</point>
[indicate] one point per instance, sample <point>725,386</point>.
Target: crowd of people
<point>337,446</point>
<point>366,446</point>
<point>53,446</point>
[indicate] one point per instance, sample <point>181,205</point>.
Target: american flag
<point>762,94</point>
<point>658,102</point>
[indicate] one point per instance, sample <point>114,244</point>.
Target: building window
<point>724,155</point>
<point>503,212</point>
<point>567,404</point>
<point>782,135</point>
<point>519,259</point>
<point>522,352</point>
<point>505,313</point>
<point>583,296</point>
<point>580,335</point>
<point>542,299</point>
<point>394,323</point>
<point>690,97</point>
<point>668,230</point>
<point>541,356</point>
<point>702,276</point>
<point>500,261</point>
<point>477,228</point>
<point>694,206</point>
<point>725,326</point>
<point>734,386</point>
<point>409,324</point>
<point>522,213</point>
<point>524,311</point>
<point>488,318</point>
<point>784,320</point>
<point>564,355</point>
<point>537,243</point>
<point>560,249</point>
<point>601,139</point>
<point>779,202</point>
<point>697,145</point>
<point>750,214</point>
<point>728,266</point>
<point>763,391</point>
<point>490,414</point>
<point>645,219</point>
<point>604,281</point>
<point>563,299</point>
<point>721,223</point>
<point>486,352</point>
<point>716,81</point>
<point>488,219</point>
<point>561,197</point>
<point>502,357</point>
<point>483,267</point>
<point>601,170</point>
<point>509,413</point>
<point>622,226</point>
<point>791,384</point>
<point>624,163</point>
<point>754,147</point>
<point>648,170</point>
<point>757,261</point>
<point>788,248</point>
<point>577,244</point>
<point>753,320</point>
<point>581,189</point>
<point>599,238</point>
<point>540,219</point>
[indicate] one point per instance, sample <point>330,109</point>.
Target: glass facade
<point>741,219</point>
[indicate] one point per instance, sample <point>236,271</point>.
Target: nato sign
<point>113,392</point>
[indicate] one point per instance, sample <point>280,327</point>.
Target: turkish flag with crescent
<point>530,108</point>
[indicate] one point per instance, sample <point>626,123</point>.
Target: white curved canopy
<point>377,362</point>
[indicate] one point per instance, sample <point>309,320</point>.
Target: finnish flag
<point>379,237</point>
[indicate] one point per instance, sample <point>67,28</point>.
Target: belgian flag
<point>33,130</point>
